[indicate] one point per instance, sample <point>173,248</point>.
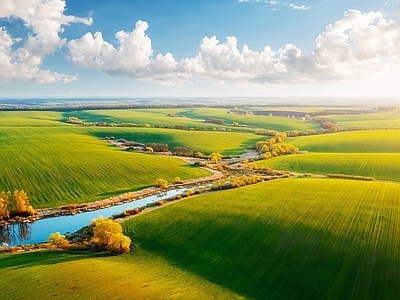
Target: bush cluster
<point>355,177</point>
<point>15,204</point>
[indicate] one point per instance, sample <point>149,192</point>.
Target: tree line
<point>15,204</point>
<point>275,146</point>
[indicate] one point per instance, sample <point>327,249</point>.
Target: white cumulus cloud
<point>45,19</point>
<point>355,46</point>
<point>301,7</point>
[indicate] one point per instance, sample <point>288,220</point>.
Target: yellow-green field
<point>226,143</point>
<point>371,141</point>
<point>374,120</point>
<point>154,117</point>
<point>374,153</point>
<point>284,239</point>
<point>275,123</point>
<point>58,163</point>
<point>58,275</point>
<point>57,166</point>
<point>383,166</point>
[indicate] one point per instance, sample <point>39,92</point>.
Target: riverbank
<point>73,209</point>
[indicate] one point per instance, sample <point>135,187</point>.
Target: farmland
<point>275,123</point>
<point>375,141</point>
<point>226,143</point>
<point>300,237</point>
<point>364,153</point>
<point>59,163</point>
<point>383,166</point>
<point>192,117</point>
<point>58,167</point>
<point>153,117</point>
<point>375,120</point>
<point>57,275</point>
<point>274,240</point>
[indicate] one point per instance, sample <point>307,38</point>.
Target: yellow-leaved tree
<point>107,235</point>
<point>22,203</point>
<point>60,241</point>
<point>4,204</point>
<point>161,183</point>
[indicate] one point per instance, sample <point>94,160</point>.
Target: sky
<point>177,48</point>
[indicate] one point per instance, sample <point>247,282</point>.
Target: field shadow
<point>41,258</point>
<point>245,145</point>
<point>88,116</point>
<point>273,265</point>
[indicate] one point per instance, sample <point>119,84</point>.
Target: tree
<point>21,201</point>
<point>120,243</point>
<point>4,204</point>
<point>107,235</point>
<point>58,240</point>
<point>178,180</point>
<point>215,157</point>
<point>161,183</point>
<point>245,162</point>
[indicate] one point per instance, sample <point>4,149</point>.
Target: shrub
<point>107,235</point>
<point>58,240</point>
<point>71,207</point>
<point>189,193</point>
<point>130,212</point>
<point>178,180</point>
<point>161,183</point>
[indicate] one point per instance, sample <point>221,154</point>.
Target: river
<point>39,231</point>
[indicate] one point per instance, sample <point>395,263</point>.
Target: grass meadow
<point>58,163</point>
<point>275,240</point>
<point>266,122</point>
<point>193,118</point>
<point>375,120</point>
<point>57,166</point>
<point>382,166</point>
<point>371,141</point>
<point>374,153</point>
<point>226,143</point>
<point>154,117</point>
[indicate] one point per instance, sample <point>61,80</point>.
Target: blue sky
<point>196,48</point>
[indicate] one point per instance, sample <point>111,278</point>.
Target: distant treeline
<point>75,120</point>
<point>98,106</point>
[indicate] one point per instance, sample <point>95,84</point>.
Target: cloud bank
<point>45,20</point>
<point>355,46</point>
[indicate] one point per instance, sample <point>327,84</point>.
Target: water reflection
<point>14,233</point>
<point>39,231</point>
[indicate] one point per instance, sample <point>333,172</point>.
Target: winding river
<point>39,231</point>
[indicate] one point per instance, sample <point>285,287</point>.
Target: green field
<point>383,166</point>
<point>373,141</point>
<point>374,120</point>
<point>59,166</point>
<point>154,117</point>
<point>275,240</point>
<point>275,123</point>
<point>364,153</point>
<point>226,143</point>
<point>194,117</point>
<point>58,275</point>
<point>58,163</point>
<point>305,109</point>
